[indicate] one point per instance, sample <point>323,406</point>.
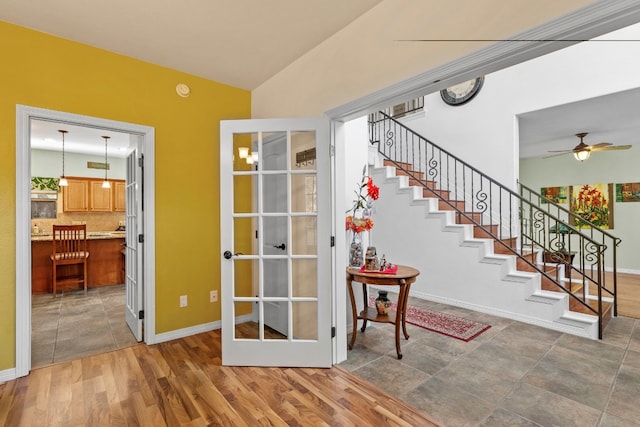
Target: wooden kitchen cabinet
<point>75,196</point>
<point>99,198</point>
<point>119,200</point>
<point>87,195</point>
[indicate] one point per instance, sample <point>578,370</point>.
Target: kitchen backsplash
<point>96,221</point>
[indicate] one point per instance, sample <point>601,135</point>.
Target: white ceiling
<point>612,118</point>
<point>45,135</point>
<point>213,39</point>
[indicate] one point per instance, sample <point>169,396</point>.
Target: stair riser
<point>483,233</point>
<point>422,183</point>
<point>475,216</point>
<point>510,242</point>
<point>444,206</point>
<point>429,192</point>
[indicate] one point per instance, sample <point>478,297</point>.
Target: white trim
<point>624,270</point>
<point>191,330</point>
<point>24,114</point>
<point>7,375</point>
<point>586,23</point>
<point>338,290</point>
<point>198,329</point>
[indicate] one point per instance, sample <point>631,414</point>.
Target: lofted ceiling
<point>207,38</point>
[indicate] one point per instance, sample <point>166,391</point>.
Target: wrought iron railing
<point>542,234</point>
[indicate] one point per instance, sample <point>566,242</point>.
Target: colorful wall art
<point>592,204</point>
<point>628,192</point>
<point>555,194</point>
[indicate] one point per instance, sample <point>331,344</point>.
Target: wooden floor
<point>629,295</point>
<point>182,383</point>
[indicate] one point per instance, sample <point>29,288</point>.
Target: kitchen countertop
<point>91,235</point>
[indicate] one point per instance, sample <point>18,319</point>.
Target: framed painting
<point>628,192</point>
<point>592,203</point>
<point>555,194</point>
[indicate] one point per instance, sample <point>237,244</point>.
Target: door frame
<point>24,114</point>
<point>585,23</point>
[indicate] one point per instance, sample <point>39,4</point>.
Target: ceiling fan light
<point>582,155</point>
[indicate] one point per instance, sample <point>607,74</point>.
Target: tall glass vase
<point>356,255</point>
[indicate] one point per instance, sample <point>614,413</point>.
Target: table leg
<point>399,318</point>
<point>353,311</point>
<point>404,310</point>
<point>365,298</point>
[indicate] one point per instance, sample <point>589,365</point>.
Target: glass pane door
<point>275,311</point>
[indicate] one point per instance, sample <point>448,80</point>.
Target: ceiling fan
<point>582,151</point>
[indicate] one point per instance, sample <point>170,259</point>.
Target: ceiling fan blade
<point>559,154</point>
<point>599,146</point>
<point>560,151</point>
<point>612,147</point>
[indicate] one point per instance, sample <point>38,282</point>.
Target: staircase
<point>509,259</point>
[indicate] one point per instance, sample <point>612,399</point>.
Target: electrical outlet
<point>213,296</point>
<point>183,300</point>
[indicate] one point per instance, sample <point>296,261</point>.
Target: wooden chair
<point>69,249</point>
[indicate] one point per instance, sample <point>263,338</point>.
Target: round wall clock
<point>462,92</point>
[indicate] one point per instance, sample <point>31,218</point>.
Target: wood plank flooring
<point>629,295</point>
<point>182,383</point>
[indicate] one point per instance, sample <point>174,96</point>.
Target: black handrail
<point>522,224</point>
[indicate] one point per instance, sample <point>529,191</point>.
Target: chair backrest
<point>69,241</point>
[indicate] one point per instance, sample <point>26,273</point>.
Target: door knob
<point>280,246</point>
<point>227,254</point>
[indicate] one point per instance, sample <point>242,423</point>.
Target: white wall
<point>48,163</point>
<point>356,153</point>
<point>484,132</point>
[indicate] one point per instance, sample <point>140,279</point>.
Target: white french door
<point>133,254</point>
<point>275,239</point>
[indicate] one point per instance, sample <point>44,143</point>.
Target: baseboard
<point>7,375</point>
<point>198,329</point>
<point>625,270</point>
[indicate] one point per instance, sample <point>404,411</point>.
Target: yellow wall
<point>43,71</point>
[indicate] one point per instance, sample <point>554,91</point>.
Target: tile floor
<point>74,325</point>
<point>514,374</point>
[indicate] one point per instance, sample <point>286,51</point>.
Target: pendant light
<point>63,181</point>
<point>106,183</point>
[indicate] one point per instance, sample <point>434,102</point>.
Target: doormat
<point>445,324</point>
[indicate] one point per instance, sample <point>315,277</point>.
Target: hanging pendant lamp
<point>63,181</point>
<point>106,183</point>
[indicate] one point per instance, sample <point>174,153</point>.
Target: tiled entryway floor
<point>514,374</point>
<point>74,325</point>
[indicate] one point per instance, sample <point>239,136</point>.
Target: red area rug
<point>445,324</point>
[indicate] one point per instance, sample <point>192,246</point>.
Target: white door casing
<point>275,235</point>
<point>146,134</point>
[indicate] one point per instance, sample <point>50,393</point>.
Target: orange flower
<point>372,190</point>
<point>359,218</point>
